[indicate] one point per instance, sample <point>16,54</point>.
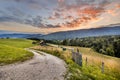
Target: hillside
<point>12,50</point>
<point>115,30</point>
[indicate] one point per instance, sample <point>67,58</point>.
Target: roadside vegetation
<point>91,71</point>
<point>13,50</point>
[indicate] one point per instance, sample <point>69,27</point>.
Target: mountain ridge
<point>11,34</point>
<point>114,30</point>
<point>93,32</point>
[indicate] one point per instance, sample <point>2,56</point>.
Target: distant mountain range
<point>9,34</point>
<point>102,31</point>
<point>115,30</point>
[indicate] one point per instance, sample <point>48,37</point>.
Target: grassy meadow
<point>13,50</point>
<point>91,71</point>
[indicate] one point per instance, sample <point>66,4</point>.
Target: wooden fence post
<point>73,54</point>
<point>73,58</point>
<point>77,57</point>
<point>52,49</point>
<point>80,59</point>
<point>86,61</point>
<point>77,50</point>
<point>102,68</point>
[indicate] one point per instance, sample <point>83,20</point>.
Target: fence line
<point>77,58</point>
<point>86,61</point>
<point>102,68</point>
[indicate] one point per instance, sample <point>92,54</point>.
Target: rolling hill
<point>115,30</point>
<point>103,31</point>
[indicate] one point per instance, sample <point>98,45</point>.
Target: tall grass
<point>91,71</point>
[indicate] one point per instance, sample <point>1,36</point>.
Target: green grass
<point>12,50</point>
<point>92,71</point>
<point>20,43</point>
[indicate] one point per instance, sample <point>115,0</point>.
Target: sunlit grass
<point>20,43</point>
<point>12,50</point>
<point>93,68</point>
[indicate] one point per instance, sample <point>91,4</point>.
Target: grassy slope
<point>12,50</point>
<point>92,71</point>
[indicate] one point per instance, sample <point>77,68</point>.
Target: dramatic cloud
<point>64,14</point>
<point>81,12</point>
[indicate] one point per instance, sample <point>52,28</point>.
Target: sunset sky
<point>47,16</point>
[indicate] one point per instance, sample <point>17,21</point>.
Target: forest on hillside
<point>108,45</point>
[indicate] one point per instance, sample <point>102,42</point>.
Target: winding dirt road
<point>42,67</point>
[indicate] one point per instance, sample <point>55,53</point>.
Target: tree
<point>66,42</point>
<point>117,48</point>
<point>110,51</point>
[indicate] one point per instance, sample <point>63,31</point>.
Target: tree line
<point>108,45</point>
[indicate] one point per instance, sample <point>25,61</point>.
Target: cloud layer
<point>60,13</point>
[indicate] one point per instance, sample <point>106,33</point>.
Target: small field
<point>12,50</point>
<point>91,71</point>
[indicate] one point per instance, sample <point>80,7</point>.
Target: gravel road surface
<point>41,67</point>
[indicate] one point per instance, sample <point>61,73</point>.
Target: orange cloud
<point>84,16</point>
<point>112,12</point>
<point>118,6</point>
<point>82,13</point>
<point>93,11</point>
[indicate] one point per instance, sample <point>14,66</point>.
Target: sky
<point>48,16</point>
